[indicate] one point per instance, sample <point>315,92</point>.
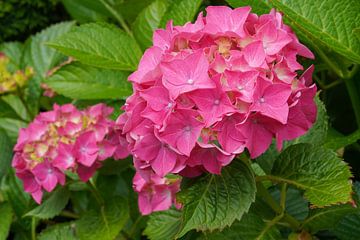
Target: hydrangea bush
<point>182,120</point>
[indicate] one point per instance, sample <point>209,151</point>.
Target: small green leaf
<point>100,45</point>
<point>17,105</point>
<point>216,201</point>
<point>251,226</point>
<point>13,50</point>
<point>58,232</point>
<point>163,225</point>
<point>86,10</point>
<point>149,20</point>
<point>80,81</point>
<point>327,218</point>
<point>348,228</point>
<point>106,223</point>
<point>336,140</point>
<point>5,153</point>
<point>181,11</point>
<point>51,206</point>
<point>316,170</point>
<point>5,219</point>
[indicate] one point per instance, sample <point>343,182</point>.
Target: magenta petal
<point>164,162</point>
<point>254,54</point>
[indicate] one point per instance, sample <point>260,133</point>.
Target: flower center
<point>190,81</point>
<point>187,128</point>
<point>262,100</point>
<point>217,102</point>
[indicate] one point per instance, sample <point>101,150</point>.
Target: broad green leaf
<point>41,57</point>
<point>17,105</point>
<point>327,218</point>
<point>251,226</point>
<point>104,224</point>
<point>80,81</point>
<point>5,153</point>
<point>129,9</point>
<point>100,45</point>
<point>13,50</point>
<point>348,228</point>
<point>216,201</point>
<point>5,219</point>
<point>163,225</point>
<point>86,10</point>
<point>257,6</point>
<point>336,140</point>
<point>149,20</point>
<point>51,206</point>
<point>6,111</point>
<point>58,232</point>
<point>12,127</point>
<point>267,159</point>
<point>181,11</point>
<point>331,23</point>
<point>316,170</point>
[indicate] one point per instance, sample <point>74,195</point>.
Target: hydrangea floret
<point>206,91</point>
<point>64,139</point>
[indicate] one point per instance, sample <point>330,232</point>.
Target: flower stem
<point>33,228</point>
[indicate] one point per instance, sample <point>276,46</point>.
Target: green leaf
<point>5,153</point>
<point>6,111</point>
<point>106,223</point>
<point>13,50</point>
<point>331,23</point>
<point>6,219</point>
<point>129,9</point>
<point>163,225</point>
<point>267,159</point>
<point>80,81</point>
<point>58,232</point>
<point>251,226</point>
<point>86,10</point>
<point>12,127</point>
<point>149,20</point>
<point>257,6</point>
<point>348,228</point>
<point>17,105</point>
<point>181,11</point>
<point>100,45</point>
<point>51,206</point>
<point>327,218</point>
<point>316,170</point>
<point>41,57</point>
<point>216,201</point>
<point>336,140</point>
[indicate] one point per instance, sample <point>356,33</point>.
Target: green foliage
<point>317,171</point>
<point>181,11</point>
<point>100,45</point>
<point>58,232</point>
<point>5,220</point>
<point>6,153</point>
<point>51,206</point>
<point>80,81</point>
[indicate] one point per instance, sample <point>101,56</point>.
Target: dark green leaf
<point>17,105</point>
<point>181,11</point>
<point>13,50</point>
<point>58,232</point>
<point>100,45</point>
<point>214,202</point>
<point>5,153</point>
<point>51,206</point>
<point>336,140</point>
<point>86,10</point>
<point>5,219</point>
<point>257,6</point>
<point>348,228</point>
<point>12,127</point>
<point>316,170</point>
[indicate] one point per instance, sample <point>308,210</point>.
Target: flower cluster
<point>206,91</point>
<point>60,140</point>
<point>9,82</point>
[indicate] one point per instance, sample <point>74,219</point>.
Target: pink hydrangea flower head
<point>209,90</point>
<point>64,139</point>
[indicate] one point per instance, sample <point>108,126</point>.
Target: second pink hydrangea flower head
<point>60,140</point>
<point>206,91</point>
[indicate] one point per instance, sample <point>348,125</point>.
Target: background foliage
<point>300,193</point>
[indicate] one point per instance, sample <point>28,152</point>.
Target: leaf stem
<point>118,16</point>
<point>355,100</point>
<point>95,192</point>
<point>33,228</point>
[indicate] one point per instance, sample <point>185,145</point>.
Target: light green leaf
<point>331,23</point>
<point>5,219</point>
<point>149,20</point>
<point>348,228</point>
<point>6,111</point>
<point>58,232</point>
<point>327,218</point>
<point>181,11</point>
<point>216,201</point>
<point>250,227</point>
<point>105,224</point>
<point>257,6</point>
<point>100,45</point>
<point>86,10</point>
<point>12,127</point>
<point>5,153</point>
<point>51,206</point>
<point>316,170</point>
<point>13,50</point>
<point>41,57</point>
<point>80,81</point>
<point>17,105</point>
<point>163,225</point>
<point>336,140</point>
